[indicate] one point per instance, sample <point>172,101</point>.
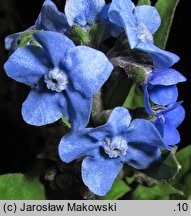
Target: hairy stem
<point>99,115</point>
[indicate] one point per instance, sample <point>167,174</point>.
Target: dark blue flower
<point>161,88</point>
<point>49,19</point>
<point>108,147</point>
<point>63,78</point>
<point>167,120</point>
<point>140,23</point>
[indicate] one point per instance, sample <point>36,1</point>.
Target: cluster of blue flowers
<point>65,75</point>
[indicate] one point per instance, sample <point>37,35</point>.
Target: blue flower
<point>140,23</point>
<point>161,88</point>
<point>108,147</point>
<point>167,120</point>
<point>85,13</point>
<point>49,19</point>
<point>63,78</point>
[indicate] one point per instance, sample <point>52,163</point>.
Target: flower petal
<point>110,29</point>
<point>121,13</point>
<point>163,95</point>
<point>161,58</point>
<point>166,77</point>
<point>119,120</point>
<point>159,124</point>
<point>143,133</point>
<point>11,41</point>
<point>27,65</point>
<point>76,144</point>
<point>87,69</point>
<point>41,108</point>
<point>117,123</point>
<point>175,117</point>
<point>101,132</point>
<point>149,16</point>
<point>55,45</point>
<point>79,109</point>
<point>171,136</point>
<point>146,100</point>
<point>99,173</point>
<point>141,156</point>
<point>169,108</point>
<point>83,12</point>
<point>51,19</point>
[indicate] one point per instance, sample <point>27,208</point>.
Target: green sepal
<point>144,2</point>
<point>96,34</point>
<point>66,122</point>
<point>81,34</point>
<point>26,38</point>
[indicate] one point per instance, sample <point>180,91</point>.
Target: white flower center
<point>115,147</point>
<point>56,79</point>
<point>143,33</point>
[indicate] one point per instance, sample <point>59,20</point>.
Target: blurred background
<point>20,143</point>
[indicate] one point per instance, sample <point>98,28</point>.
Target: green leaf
<point>184,158</point>
<point>135,98</point>
<point>156,192</point>
<point>187,185</point>
<point>166,9</point>
<point>20,187</point>
<point>144,2</point>
<point>27,38</point>
<point>118,189</point>
<point>168,168</point>
<point>116,91</point>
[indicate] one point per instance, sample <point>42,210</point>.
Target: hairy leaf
<point>135,98</point>
<point>166,9</point>
<point>157,192</point>
<point>118,189</point>
<point>168,168</point>
<point>184,158</point>
<point>20,187</point>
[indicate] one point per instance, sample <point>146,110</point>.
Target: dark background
<point>20,143</point>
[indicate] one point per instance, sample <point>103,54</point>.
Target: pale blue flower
<point>140,23</point>
<point>63,78</point>
<point>108,147</point>
<point>49,19</point>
